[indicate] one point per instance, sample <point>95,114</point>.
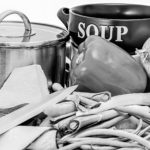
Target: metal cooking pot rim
<point>42,35</point>
<point>14,34</point>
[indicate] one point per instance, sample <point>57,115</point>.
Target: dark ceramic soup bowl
<point>127,25</point>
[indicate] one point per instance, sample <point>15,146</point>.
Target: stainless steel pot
<point>25,43</point>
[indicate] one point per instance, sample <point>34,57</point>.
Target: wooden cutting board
<point>27,112</point>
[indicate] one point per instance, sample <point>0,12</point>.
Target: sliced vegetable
<point>123,100</point>
<point>60,109</point>
<point>102,96</point>
<point>63,124</point>
<point>84,121</point>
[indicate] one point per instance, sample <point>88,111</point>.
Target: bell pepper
<point>100,65</point>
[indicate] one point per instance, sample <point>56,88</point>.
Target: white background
<point>45,11</point>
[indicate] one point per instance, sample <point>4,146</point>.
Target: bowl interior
<point>113,11</point>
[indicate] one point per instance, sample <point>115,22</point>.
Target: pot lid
<point>26,34</point>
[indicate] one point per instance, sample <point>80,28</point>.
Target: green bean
<point>144,130</point>
<point>135,110</point>
<point>77,142</point>
<point>109,123</point>
<point>123,100</point>
<point>96,147</point>
<point>119,133</point>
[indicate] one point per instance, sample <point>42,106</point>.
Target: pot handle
<point>26,22</point>
<point>63,15</point>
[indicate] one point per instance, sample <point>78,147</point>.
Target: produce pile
<point>98,121</point>
<point>114,112</point>
<point>109,110</point>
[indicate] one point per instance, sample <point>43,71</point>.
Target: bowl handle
<point>26,22</point>
<point>63,15</point>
